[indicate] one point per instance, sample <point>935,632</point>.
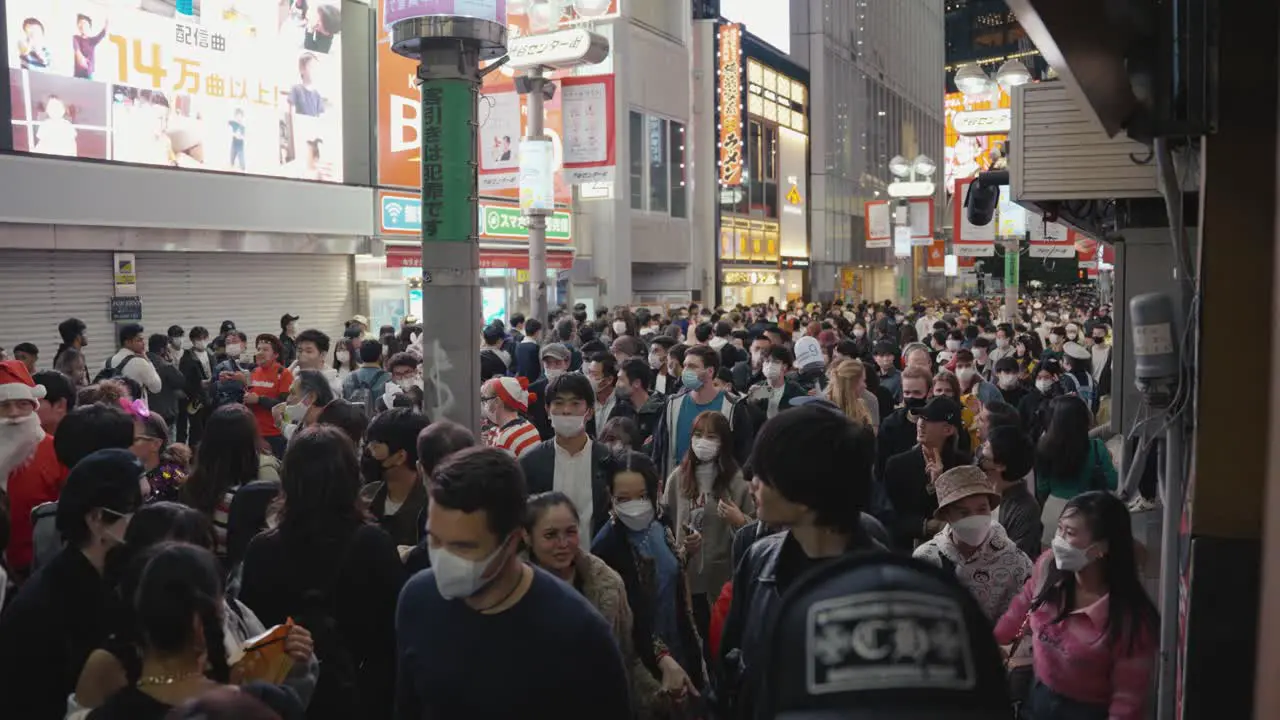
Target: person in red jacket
<point>29,469</point>
<point>269,385</point>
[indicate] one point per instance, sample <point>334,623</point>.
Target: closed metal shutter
<point>41,288</point>
<point>252,290</point>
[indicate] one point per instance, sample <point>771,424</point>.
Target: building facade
<point>877,93</point>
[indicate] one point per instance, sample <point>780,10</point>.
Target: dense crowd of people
<point>619,539</point>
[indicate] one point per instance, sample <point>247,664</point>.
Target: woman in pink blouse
<point>1092,627</point>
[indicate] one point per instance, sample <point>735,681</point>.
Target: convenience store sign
<point>401,214</point>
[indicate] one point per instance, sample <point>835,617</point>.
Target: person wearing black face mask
<point>897,431</point>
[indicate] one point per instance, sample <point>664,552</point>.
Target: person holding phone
<point>710,500</point>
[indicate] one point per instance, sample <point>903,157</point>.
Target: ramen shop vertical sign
<point>729,78</point>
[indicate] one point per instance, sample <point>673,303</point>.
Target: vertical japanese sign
<point>729,84</point>
<point>245,87</point>
<point>879,223</point>
<point>970,240</point>
<point>920,215</point>
<point>587,116</point>
<point>447,171</point>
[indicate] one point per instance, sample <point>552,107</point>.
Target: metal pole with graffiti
<point>449,48</point>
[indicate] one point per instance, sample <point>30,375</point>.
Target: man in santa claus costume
<point>29,469</point>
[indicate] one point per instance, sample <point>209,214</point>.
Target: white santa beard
<point>18,441</point>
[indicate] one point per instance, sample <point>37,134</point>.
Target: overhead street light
<point>900,166</point>
<point>1012,74</point>
<point>972,80</point>
<point>923,165</point>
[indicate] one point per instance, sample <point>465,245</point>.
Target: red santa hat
<point>513,392</point>
<point>16,383</point>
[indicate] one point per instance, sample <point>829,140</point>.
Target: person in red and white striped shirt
<point>505,403</point>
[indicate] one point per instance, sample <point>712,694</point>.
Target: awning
<point>410,256</point>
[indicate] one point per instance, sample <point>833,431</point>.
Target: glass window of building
<point>638,155</point>
<point>659,167</point>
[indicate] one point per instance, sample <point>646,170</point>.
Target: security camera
<point>983,196</point>
<point>548,91</point>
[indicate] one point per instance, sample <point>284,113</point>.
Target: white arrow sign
<point>565,48</point>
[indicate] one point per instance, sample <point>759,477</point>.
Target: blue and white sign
<point>401,214</point>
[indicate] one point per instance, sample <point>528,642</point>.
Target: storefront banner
<point>393,11</point>
<point>537,181</point>
<point>970,240</point>
<point>504,115</point>
<point>967,148</point>
<point>252,88</point>
<point>879,224</point>
<point>920,213</point>
<point>507,223</point>
<point>1051,239</point>
<point>729,94</point>
<point>401,214</point>
<point>936,263</point>
<point>410,256</point>
<point>590,129</point>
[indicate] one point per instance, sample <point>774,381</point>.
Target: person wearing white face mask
<point>775,392</point>
<point>973,545</point>
<point>640,546</point>
<point>674,430</point>
<point>308,397</point>
<point>482,634</point>
<point>554,359</point>
<point>1092,628</point>
<point>709,500</point>
<point>571,462</point>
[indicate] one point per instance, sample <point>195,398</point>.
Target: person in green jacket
<point>1068,461</point>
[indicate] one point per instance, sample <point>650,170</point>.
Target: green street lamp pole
<point>449,50</point>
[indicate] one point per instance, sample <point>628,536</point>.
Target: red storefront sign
<point>409,256</point>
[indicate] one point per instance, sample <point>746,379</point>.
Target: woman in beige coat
<point>553,536</point>
<point>708,500</point>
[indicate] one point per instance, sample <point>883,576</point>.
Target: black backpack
<point>109,372</point>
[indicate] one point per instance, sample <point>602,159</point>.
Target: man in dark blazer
<point>909,476</point>
<point>197,366</point>
<point>571,462</point>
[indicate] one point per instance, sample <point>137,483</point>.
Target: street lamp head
<point>924,166</point>
<point>900,166</point>
<point>1012,74</point>
<point>972,80</point>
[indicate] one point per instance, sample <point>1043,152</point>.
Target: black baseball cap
<point>940,408</point>
<point>286,318</point>
<point>873,635</point>
<point>227,326</point>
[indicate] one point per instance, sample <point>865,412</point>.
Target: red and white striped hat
<point>513,392</point>
<point>16,383</point>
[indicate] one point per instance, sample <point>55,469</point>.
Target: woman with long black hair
<point>1068,461</point>
<point>178,603</point>
<point>327,566</point>
<point>228,458</point>
<point>1092,627</point>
